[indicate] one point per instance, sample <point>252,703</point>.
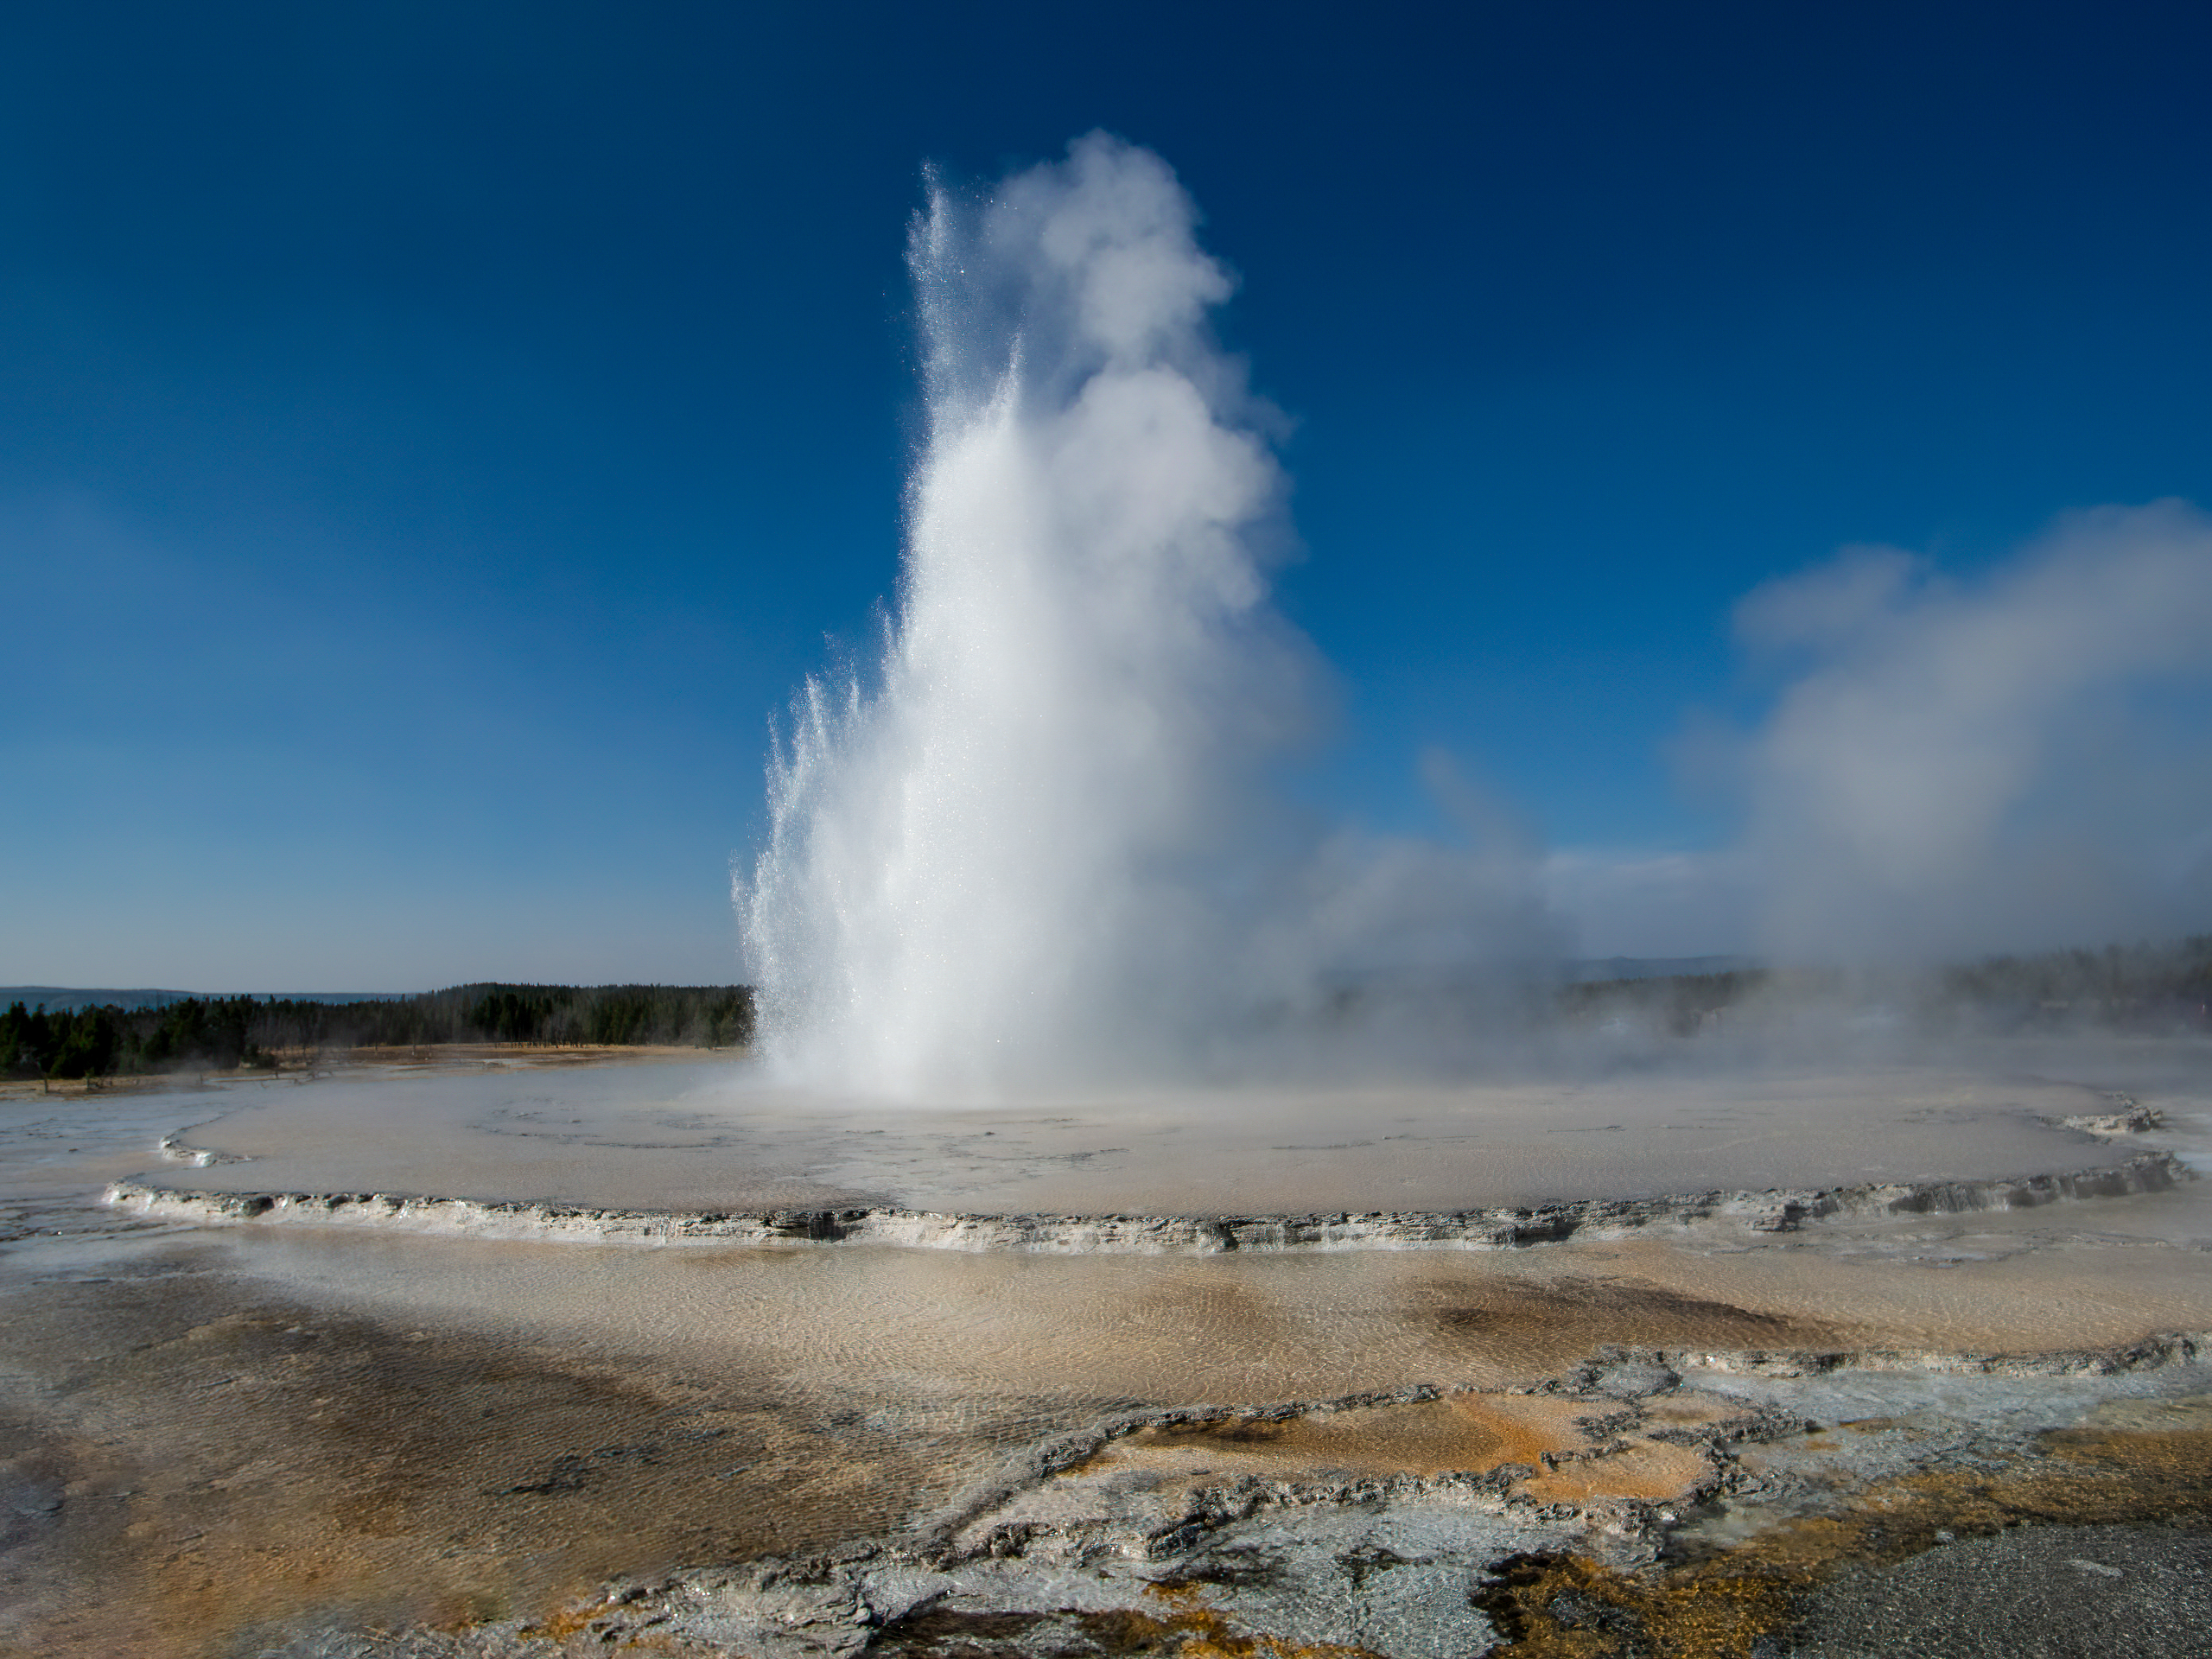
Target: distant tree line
<point>221,1032</point>
<point>2141,987</point>
<point>2145,987</point>
<point>1679,1003</point>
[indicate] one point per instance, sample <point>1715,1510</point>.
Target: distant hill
<point>63,999</point>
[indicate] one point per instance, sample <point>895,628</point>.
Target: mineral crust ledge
<point>1776,1210</point>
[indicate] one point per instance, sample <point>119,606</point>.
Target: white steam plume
<point>2013,763</point>
<point>1043,847</point>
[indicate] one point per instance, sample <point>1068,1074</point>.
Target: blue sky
<point>433,440</point>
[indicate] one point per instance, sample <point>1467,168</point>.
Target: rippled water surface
<point>718,1136</point>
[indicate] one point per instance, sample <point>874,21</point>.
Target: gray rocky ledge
<point>1503,1228</point>
<point>2128,1117</point>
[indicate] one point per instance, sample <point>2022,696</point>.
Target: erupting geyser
<point>1041,844</point>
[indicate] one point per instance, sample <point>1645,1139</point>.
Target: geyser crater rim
<point>1773,1211</point>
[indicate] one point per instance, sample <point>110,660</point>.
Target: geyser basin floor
<point>231,1441</point>
<point>256,1438</point>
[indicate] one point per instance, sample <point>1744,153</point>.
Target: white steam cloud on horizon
<point>1950,768</point>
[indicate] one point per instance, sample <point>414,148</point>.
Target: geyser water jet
<point>1040,844</point>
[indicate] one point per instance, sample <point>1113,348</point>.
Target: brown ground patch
<point>1569,1607</point>
<point>1585,1312</point>
<point>203,1470</point>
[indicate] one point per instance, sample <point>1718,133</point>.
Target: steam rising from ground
<point>2020,762</point>
<point>1042,845</point>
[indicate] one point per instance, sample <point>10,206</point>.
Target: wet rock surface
<point>2128,1115</point>
<point>2028,1592</point>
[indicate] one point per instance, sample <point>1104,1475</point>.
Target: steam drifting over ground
<point>2015,761</point>
<point>1042,844</point>
<point>1963,767</point>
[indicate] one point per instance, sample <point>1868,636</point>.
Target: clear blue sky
<point>435,440</point>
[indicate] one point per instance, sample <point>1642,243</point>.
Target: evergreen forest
<point>221,1032</point>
